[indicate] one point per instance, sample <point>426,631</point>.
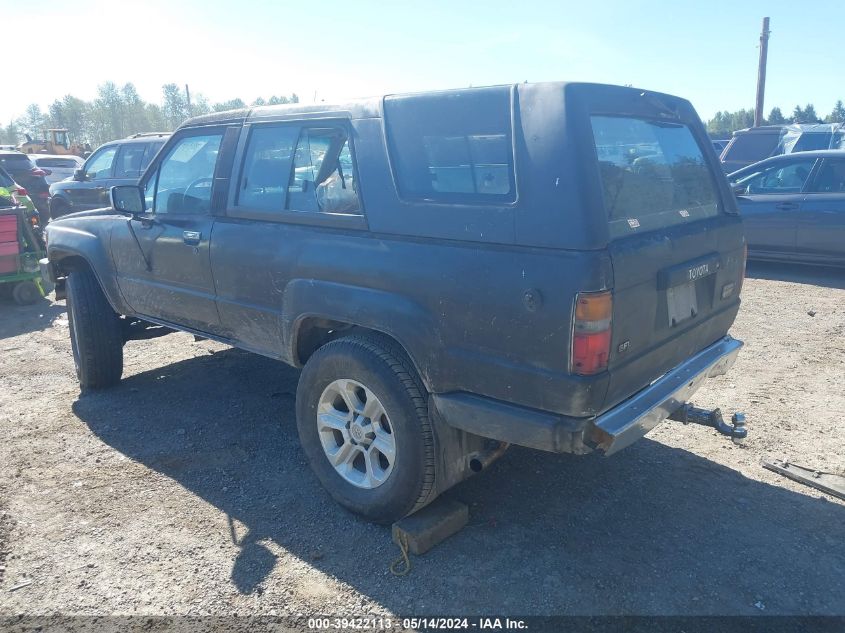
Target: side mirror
<point>739,189</point>
<point>79,174</point>
<point>128,199</point>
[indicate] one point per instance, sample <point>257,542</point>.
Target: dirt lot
<point>184,491</point>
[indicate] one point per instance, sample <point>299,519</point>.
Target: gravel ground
<point>183,491</point>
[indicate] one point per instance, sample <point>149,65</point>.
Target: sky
<point>333,50</point>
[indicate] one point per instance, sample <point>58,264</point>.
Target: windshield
<point>653,174</point>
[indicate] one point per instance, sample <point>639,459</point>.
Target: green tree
<point>33,121</point>
<point>810,114</point>
<point>175,107</point>
<point>135,111</point>
<point>231,104</point>
<point>776,117</point>
<point>797,115</point>
<point>837,115</point>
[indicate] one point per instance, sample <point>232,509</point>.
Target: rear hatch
<point>676,244</point>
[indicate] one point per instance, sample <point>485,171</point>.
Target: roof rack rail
<point>141,134</point>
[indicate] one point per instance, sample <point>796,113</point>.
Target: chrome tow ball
<point>689,414</point>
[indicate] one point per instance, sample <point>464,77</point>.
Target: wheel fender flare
<point>65,243</point>
<point>395,315</point>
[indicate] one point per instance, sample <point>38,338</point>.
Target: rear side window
<point>129,162</point>
<point>457,149</point>
<point>310,169</point>
<point>831,177</point>
<point>653,174</point>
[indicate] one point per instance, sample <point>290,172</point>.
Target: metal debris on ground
<point>830,483</point>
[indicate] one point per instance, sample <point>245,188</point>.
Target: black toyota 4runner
<point>550,265</point>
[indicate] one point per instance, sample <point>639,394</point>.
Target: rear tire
<point>26,293</point>
<point>391,471</point>
<point>95,333</point>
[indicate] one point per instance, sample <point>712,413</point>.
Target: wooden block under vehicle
<point>431,525</point>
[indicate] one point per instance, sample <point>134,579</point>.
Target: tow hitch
<point>690,414</point>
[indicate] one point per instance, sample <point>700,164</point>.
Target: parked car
<point>455,272</point>
<point>793,207</point>
<point>59,167</point>
<point>31,178</point>
<point>757,143</point>
<point>115,163</point>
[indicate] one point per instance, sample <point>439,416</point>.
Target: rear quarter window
<point>653,174</point>
<point>456,149</point>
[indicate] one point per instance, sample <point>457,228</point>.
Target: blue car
<point>793,207</point>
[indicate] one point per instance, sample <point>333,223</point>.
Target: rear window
<point>15,161</point>
<point>752,147</point>
<point>457,149</point>
<point>67,163</point>
<point>653,174</point>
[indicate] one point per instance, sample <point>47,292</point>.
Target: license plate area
<point>682,303</point>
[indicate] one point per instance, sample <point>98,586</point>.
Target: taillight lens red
<point>43,194</point>
<point>591,332</point>
<point>38,172</point>
<point>21,191</point>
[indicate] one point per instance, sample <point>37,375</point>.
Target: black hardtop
<point>372,107</point>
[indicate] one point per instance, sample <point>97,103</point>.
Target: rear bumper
<point>611,431</point>
<point>630,420</point>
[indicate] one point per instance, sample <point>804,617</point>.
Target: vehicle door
<point>293,184</point>
<point>821,223</point>
<point>162,259</point>
<point>92,192</point>
<point>770,200</point>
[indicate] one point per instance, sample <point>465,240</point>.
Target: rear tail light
<point>38,172</point>
<point>591,332</point>
<point>21,191</point>
<point>43,194</point>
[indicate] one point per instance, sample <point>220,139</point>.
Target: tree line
<point>117,112</point>
<point>725,123</point>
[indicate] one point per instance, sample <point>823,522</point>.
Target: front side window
<point>456,150</point>
<point>653,174</point>
<point>782,178</point>
<point>130,159</point>
<point>305,170</point>
<point>184,178</point>
<point>100,165</point>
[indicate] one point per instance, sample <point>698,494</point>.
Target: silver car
<point>58,166</point>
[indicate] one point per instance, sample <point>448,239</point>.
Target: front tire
<point>362,418</point>
<point>95,333</point>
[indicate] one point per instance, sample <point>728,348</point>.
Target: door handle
<point>786,206</point>
<point>192,238</point>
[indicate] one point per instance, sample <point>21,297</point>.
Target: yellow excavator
<point>56,141</point>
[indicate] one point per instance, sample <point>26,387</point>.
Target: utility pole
<point>761,73</point>
<point>188,96</point>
